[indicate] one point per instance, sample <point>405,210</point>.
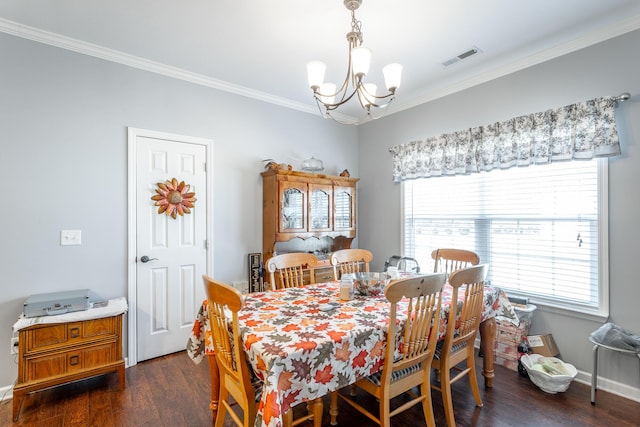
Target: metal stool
<point>594,376</point>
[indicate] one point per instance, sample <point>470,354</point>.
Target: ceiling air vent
<point>460,57</point>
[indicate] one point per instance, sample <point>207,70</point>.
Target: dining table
<point>306,342</point>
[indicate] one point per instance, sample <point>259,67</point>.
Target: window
<point>542,229</point>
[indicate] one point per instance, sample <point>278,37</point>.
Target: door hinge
<point>205,166</point>
<point>206,244</point>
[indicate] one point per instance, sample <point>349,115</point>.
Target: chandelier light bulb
<point>328,93</point>
<point>315,73</point>
<point>392,76</point>
<point>360,61</point>
<point>368,94</point>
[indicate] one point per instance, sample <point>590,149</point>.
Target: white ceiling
<point>259,48</point>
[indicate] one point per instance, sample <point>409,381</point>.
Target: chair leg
<point>473,379</point>
<point>222,408</point>
<point>447,400</point>
<point>427,404</point>
<point>333,409</point>
<point>385,410</point>
<point>317,412</point>
<point>314,409</point>
<point>287,418</point>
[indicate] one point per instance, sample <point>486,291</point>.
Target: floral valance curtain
<point>578,131</point>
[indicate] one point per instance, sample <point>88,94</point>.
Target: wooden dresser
<point>57,353</point>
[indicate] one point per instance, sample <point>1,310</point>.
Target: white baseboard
<point>6,392</point>
<point>613,387</point>
<point>610,386</point>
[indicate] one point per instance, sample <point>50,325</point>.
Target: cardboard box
<point>507,350</point>
<point>509,333</point>
<point>544,345</point>
<point>506,361</point>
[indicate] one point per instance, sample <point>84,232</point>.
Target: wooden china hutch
<point>308,212</point>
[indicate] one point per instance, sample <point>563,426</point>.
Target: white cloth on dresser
<point>114,307</point>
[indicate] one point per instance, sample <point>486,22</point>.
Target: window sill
<point>568,310</point>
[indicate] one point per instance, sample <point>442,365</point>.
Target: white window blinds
<point>542,229</point>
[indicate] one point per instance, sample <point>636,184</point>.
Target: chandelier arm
<point>337,104</point>
<point>360,89</point>
<point>381,106</point>
<point>344,89</point>
<point>373,96</point>
<point>342,122</point>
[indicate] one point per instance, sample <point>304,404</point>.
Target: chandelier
<point>328,97</point>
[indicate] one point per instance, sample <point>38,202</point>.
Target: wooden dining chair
<point>287,270</point>
<point>462,328</point>
<point>346,261</point>
<point>448,260</point>
<point>237,385</point>
<point>418,338</point>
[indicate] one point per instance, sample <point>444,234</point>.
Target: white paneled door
<point>170,253</point>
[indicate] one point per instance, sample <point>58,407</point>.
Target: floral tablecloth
<point>301,352</point>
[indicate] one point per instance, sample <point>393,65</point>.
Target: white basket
<point>548,383</point>
<point>525,314</point>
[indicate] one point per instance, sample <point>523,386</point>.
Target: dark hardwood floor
<point>173,391</point>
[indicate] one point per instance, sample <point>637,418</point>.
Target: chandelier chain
<point>356,30</point>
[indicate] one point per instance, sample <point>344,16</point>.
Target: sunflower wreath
<point>173,198</point>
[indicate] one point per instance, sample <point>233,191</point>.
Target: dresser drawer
<point>324,274</point>
<point>66,334</point>
<point>65,362</point>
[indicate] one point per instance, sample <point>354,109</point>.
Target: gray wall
<point>609,68</point>
<point>63,162</point>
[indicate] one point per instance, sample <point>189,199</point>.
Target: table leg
<point>487,341</point>
<point>215,386</point>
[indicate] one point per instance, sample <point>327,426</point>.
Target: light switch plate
<point>70,237</point>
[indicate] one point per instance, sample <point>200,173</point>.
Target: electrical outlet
<point>70,237</point>
<point>14,345</point>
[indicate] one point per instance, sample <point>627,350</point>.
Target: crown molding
<point>63,42</point>
<point>617,29</point>
<point>74,45</point>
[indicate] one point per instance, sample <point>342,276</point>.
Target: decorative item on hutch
<point>173,198</point>
<point>312,165</point>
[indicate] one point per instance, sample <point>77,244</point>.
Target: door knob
<point>145,258</point>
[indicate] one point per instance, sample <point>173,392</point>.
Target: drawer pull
<point>74,360</point>
<point>75,332</point>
